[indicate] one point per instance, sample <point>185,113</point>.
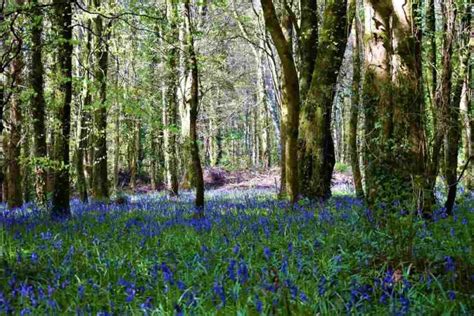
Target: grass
<point>248,256</point>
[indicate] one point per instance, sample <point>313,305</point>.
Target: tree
<point>100,185</point>
<point>14,191</point>
<point>63,28</point>
<point>38,104</point>
<point>316,152</point>
<point>354,110</point>
<point>393,105</point>
<point>192,106</point>
<point>291,100</point>
<point>170,104</point>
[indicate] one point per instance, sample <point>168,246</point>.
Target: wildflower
<point>181,286</point>
<point>219,291</point>
<point>258,304</point>
<point>236,249</point>
<point>449,264</point>
<point>243,272</point>
<point>80,291</point>
<point>167,273</point>
<point>34,257</point>
<point>231,270</point>
<point>405,305</point>
<point>267,253</point>
<point>130,294</point>
<point>451,295</point>
<point>322,286</point>
<point>146,304</point>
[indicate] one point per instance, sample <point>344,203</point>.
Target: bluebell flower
<point>405,304</point>
<point>243,272</point>
<point>181,286</point>
<point>258,304</point>
<point>219,291</point>
<point>34,257</point>
<point>449,264</point>
<point>167,273</point>
<point>231,270</point>
<point>267,253</point>
<point>236,249</point>
<point>322,286</point>
<point>130,294</point>
<point>451,295</point>
<point>147,304</point>
<point>25,311</point>
<point>80,291</point>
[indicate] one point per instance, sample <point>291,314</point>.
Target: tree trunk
<point>453,134</point>
<point>170,104</point>
<point>316,154</point>
<point>193,108</point>
<point>291,103</point>
<point>63,25</point>
<point>14,192</point>
<point>38,106</point>
<point>393,104</point>
<point>100,187</point>
<point>354,110</point>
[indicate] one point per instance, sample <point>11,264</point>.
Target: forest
<point>236,157</point>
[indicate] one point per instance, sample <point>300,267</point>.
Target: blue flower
<point>267,253</point>
<point>258,304</point>
<point>219,291</point>
<point>449,264</point>
<point>243,272</point>
<point>231,270</point>
<point>451,295</point>
<point>34,257</point>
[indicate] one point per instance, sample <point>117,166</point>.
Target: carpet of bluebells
<point>250,255</point>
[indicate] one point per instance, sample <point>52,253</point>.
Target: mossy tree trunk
<point>170,100</point>
<point>14,192</point>
<point>354,110</point>
<point>38,105</point>
<point>192,105</point>
<point>100,183</point>
<point>395,146</point>
<point>63,27</point>
<point>316,151</point>
<point>290,103</point>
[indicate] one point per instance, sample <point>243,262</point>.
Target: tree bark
<point>395,145</point>
<point>14,192</point>
<point>100,187</point>
<point>193,108</point>
<point>354,111</point>
<point>316,151</point>
<point>291,103</point>
<point>38,105</point>
<point>63,26</point>
<point>170,104</point>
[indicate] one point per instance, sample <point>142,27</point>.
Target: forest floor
<point>251,254</point>
<point>217,178</point>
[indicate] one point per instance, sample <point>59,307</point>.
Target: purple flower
<point>449,264</point>
<point>451,295</point>
<point>258,304</point>
<point>243,272</point>
<point>167,273</point>
<point>236,249</point>
<point>231,270</point>
<point>34,257</point>
<point>219,291</point>
<point>267,253</point>
<point>130,294</point>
